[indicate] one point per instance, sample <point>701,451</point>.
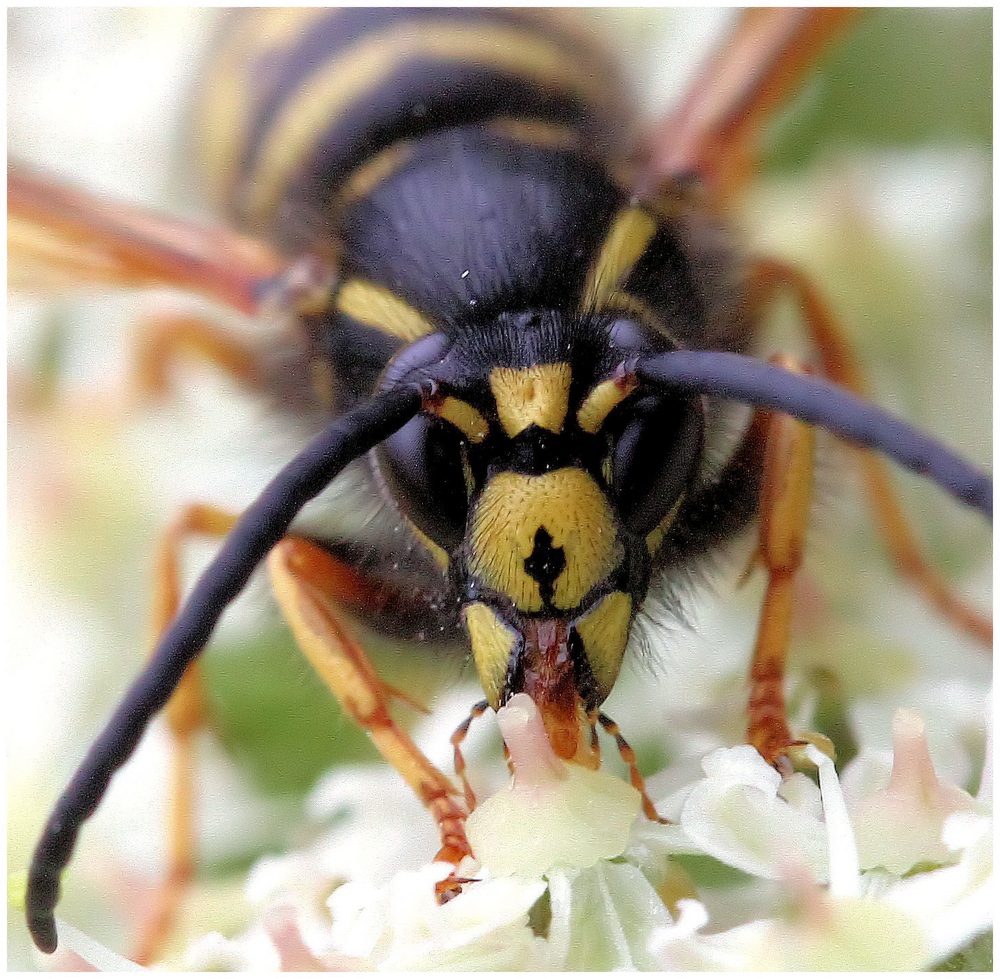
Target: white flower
<point>402,927</point>
<point>570,879</point>
<point>737,815</point>
<point>900,825</point>
<point>593,810</point>
<point>756,873</point>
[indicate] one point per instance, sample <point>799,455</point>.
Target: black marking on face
<point>545,563</point>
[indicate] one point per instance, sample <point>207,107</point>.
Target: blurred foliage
<point>901,78</point>
<point>282,725</point>
<point>977,956</point>
<point>273,714</point>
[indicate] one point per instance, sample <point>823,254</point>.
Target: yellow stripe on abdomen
<point>351,75</point>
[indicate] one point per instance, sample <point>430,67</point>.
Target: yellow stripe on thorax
<point>331,91</point>
<point>631,231</point>
<point>373,171</point>
<point>378,308</point>
<point>574,511</point>
<point>536,395</point>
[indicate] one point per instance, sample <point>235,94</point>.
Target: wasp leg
<point>310,584</point>
<point>461,732</point>
<point>628,756</point>
<point>164,339</point>
<point>785,499</point>
<point>841,365</point>
<point>60,236</point>
<point>185,715</point>
<point>714,133</point>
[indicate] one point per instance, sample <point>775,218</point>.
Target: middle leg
<point>839,363</point>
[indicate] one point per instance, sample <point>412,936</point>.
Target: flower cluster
<point>875,870</point>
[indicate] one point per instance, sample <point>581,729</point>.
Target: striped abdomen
<point>455,165</point>
<point>299,105</point>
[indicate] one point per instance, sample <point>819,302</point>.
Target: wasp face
<point>545,481</point>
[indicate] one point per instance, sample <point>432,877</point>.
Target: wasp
<point>523,329</point>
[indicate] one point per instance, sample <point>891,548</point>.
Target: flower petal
<point>736,815</point>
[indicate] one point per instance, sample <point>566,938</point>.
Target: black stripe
<point>424,96</point>
<point>341,29</point>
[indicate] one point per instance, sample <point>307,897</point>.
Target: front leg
<point>310,585</point>
<point>786,496</point>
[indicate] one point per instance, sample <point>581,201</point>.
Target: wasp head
<point>544,478</point>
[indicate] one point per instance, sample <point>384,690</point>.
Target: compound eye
<point>656,445</point>
<point>425,467</point>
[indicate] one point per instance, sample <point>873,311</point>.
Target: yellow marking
<point>537,395</point>
<point>372,172</point>
<point>377,307</point>
<point>604,397</point>
<point>575,513</point>
<point>655,537</point>
<point>630,233</point>
<point>637,308</point>
<point>329,93</point>
<point>493,643</point>
<point>464,417</point>
<point>227,94</point>
<point>536,132</point>
<point>436,551</point>
<point>604,631</point>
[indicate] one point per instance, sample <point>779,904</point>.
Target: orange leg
<point>164,339</point>
<point>714,132</point>
<point>840,365</point>
<point>185,715</point>
<point>784,514</point>
<point>161,342</point>
<point>310,585</point>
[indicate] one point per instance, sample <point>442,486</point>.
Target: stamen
<point>845,872</point>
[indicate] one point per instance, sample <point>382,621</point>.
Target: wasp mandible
<point>528,326</point>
